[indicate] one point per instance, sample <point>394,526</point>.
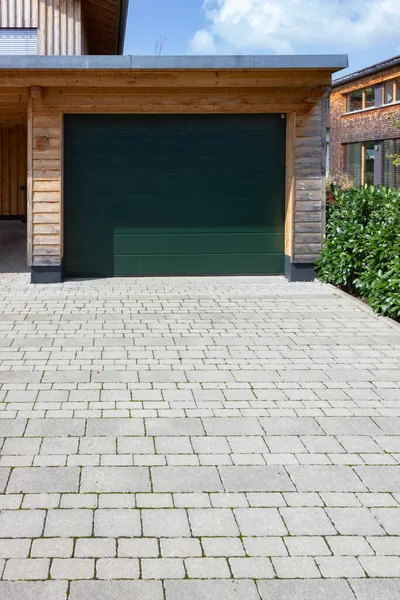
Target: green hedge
<point>361,253</point>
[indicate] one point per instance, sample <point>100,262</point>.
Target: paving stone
<point>173,445</point>
<point>380,479</point>
<point>69,523</point>
<point>384,546</point>
<point>115,479</point>
<point>319,443</point>
<point>343,426</point>
<point>32,590</point>
<point>210,445</point>
<point>162,568</point>
<point>232,426</point>
<point>52,547</point>
<point>165,523</point>
<point>55,427</point>
<point>43,479</point>
<point>325,479</point>
<point>185,479</point>
<point>212,522</point>
<point>21,523</point>
<point>358,443</point>
<point>26,568</point>
<point>207,568</point>
<point>339,566</point>
<point>117,568</point>
<point>291,426</point>
<point>135,445</point>
<point>95,547</point>
<point>222,546</point>
<point>381,566</point>
<point>185,547</point>
<point>72,568</point>
<point>138,547</point>
<point>18,446</point>
<point>255,479</point>
<point>12,427</point>
<point>117,523</point>
<point>14,548</point>
<point>109,590</point>
<point>114,427</point>
<point>210,590</point>
<point>259,521</point>
<point>59,445</point>
<point>264,546</point>
<point>343,545</point>
<point>306,590</point>
<point>293,567</point>
<point>171,427</point>
<point>97,445</point>
<point>389,518</point>
<point>354,521</point>
<point>307,521</point>
<point>389,425</point>
<point>376,589</point>
<point>307,546</point>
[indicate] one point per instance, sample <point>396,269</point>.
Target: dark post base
<point>299,271</point>
<point>50,274</point>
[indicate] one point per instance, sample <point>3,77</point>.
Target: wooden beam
<point>165,79</point>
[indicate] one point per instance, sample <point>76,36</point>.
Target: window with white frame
<point>20,42</point>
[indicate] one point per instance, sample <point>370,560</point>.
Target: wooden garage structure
<point>170,165</point>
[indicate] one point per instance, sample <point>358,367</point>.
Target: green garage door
<point>173,194</point>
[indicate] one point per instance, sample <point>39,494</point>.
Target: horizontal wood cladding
<point>46,188</point>
<point>60,27</point>
<point>13,174</point>
<point>259,79</point>
<point>19,13</point>
<point>309,209</point>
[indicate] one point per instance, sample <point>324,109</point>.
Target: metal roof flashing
<point>331,62</point>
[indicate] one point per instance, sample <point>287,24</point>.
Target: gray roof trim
<point>331,62</point>
<point>122,18</point>
<point>382,66</point>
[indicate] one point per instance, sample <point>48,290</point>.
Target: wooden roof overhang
<point>253,88</point>
<point>105,23</point>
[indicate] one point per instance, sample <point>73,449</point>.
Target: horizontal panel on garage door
<point>171,194</point>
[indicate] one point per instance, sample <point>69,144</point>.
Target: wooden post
<point>29,188</point>
<point>290,181</point>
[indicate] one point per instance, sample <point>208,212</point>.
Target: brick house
<point>362,135</point>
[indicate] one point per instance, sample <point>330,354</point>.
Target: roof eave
<point>383,66</point>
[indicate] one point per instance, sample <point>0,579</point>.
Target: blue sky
<point>367,30</point>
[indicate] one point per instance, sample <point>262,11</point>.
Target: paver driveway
<point>232,438</point>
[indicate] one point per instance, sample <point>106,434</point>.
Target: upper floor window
<point>18,41</point>
<point>391,91</point>
<point>360,99</point>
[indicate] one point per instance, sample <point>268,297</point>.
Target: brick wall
<point>368,126</point>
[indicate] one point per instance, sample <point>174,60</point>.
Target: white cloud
<point>296,26</point>
<point>203,42</point>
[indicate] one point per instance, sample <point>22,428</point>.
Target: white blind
<point>18,41</point>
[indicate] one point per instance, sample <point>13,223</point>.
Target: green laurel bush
<point>361,253</point>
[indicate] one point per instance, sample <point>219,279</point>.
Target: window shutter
<point>18,42</point>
